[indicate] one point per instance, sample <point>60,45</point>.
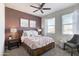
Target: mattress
<point>35,42</point>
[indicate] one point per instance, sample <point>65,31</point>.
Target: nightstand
<point>13,43</point>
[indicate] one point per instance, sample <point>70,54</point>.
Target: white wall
<point>58,23</point>
<point>2,24</point>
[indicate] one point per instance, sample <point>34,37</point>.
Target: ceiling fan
<point>40,8</point>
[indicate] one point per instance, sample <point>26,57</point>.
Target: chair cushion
<point>71,45</point>
<point>75,39</point>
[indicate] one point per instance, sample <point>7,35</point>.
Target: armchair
<point>73,43</point>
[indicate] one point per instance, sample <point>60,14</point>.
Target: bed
<point>36,44</point>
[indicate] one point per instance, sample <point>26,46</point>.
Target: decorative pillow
<point>33,33</point>
<point>26,33</point>
<point>30,33</point>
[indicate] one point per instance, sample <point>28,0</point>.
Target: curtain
<point>76,22</point>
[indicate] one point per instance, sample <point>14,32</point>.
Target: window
<point>51,25</point>
<point>67,23</point>
<point>32,23</point>
<point>24,22</point>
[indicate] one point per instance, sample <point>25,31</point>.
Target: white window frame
<point>53,25</point>
<point>63,31</point>
<point>32,25</point>
<point>24,22</point>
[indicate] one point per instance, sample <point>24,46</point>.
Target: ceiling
<point>25,7</point>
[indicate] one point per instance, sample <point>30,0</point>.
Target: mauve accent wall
<point>12,19</point>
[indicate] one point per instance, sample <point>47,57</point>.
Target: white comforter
<point>36,41</point>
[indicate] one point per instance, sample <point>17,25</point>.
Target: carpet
<point>22,52</point>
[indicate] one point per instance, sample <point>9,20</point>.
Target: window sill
<point>68,34</point>
<point>50,33</point>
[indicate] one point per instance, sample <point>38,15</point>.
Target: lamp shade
<point>13,30</point>
<point>39,30</point>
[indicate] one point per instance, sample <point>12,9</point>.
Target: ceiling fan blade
<point>34,7</point>
<point>35,10</point>
<point>42,5</point>
<point>46,8</point>
<point>41,11</point>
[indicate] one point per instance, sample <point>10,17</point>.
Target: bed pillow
<point>33,33</point>
<point>26,33</point>
<point>30,33</point>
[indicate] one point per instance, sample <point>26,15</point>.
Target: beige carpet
<point>22,52</point>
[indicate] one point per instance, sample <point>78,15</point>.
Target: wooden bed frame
<point>38,51</point>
